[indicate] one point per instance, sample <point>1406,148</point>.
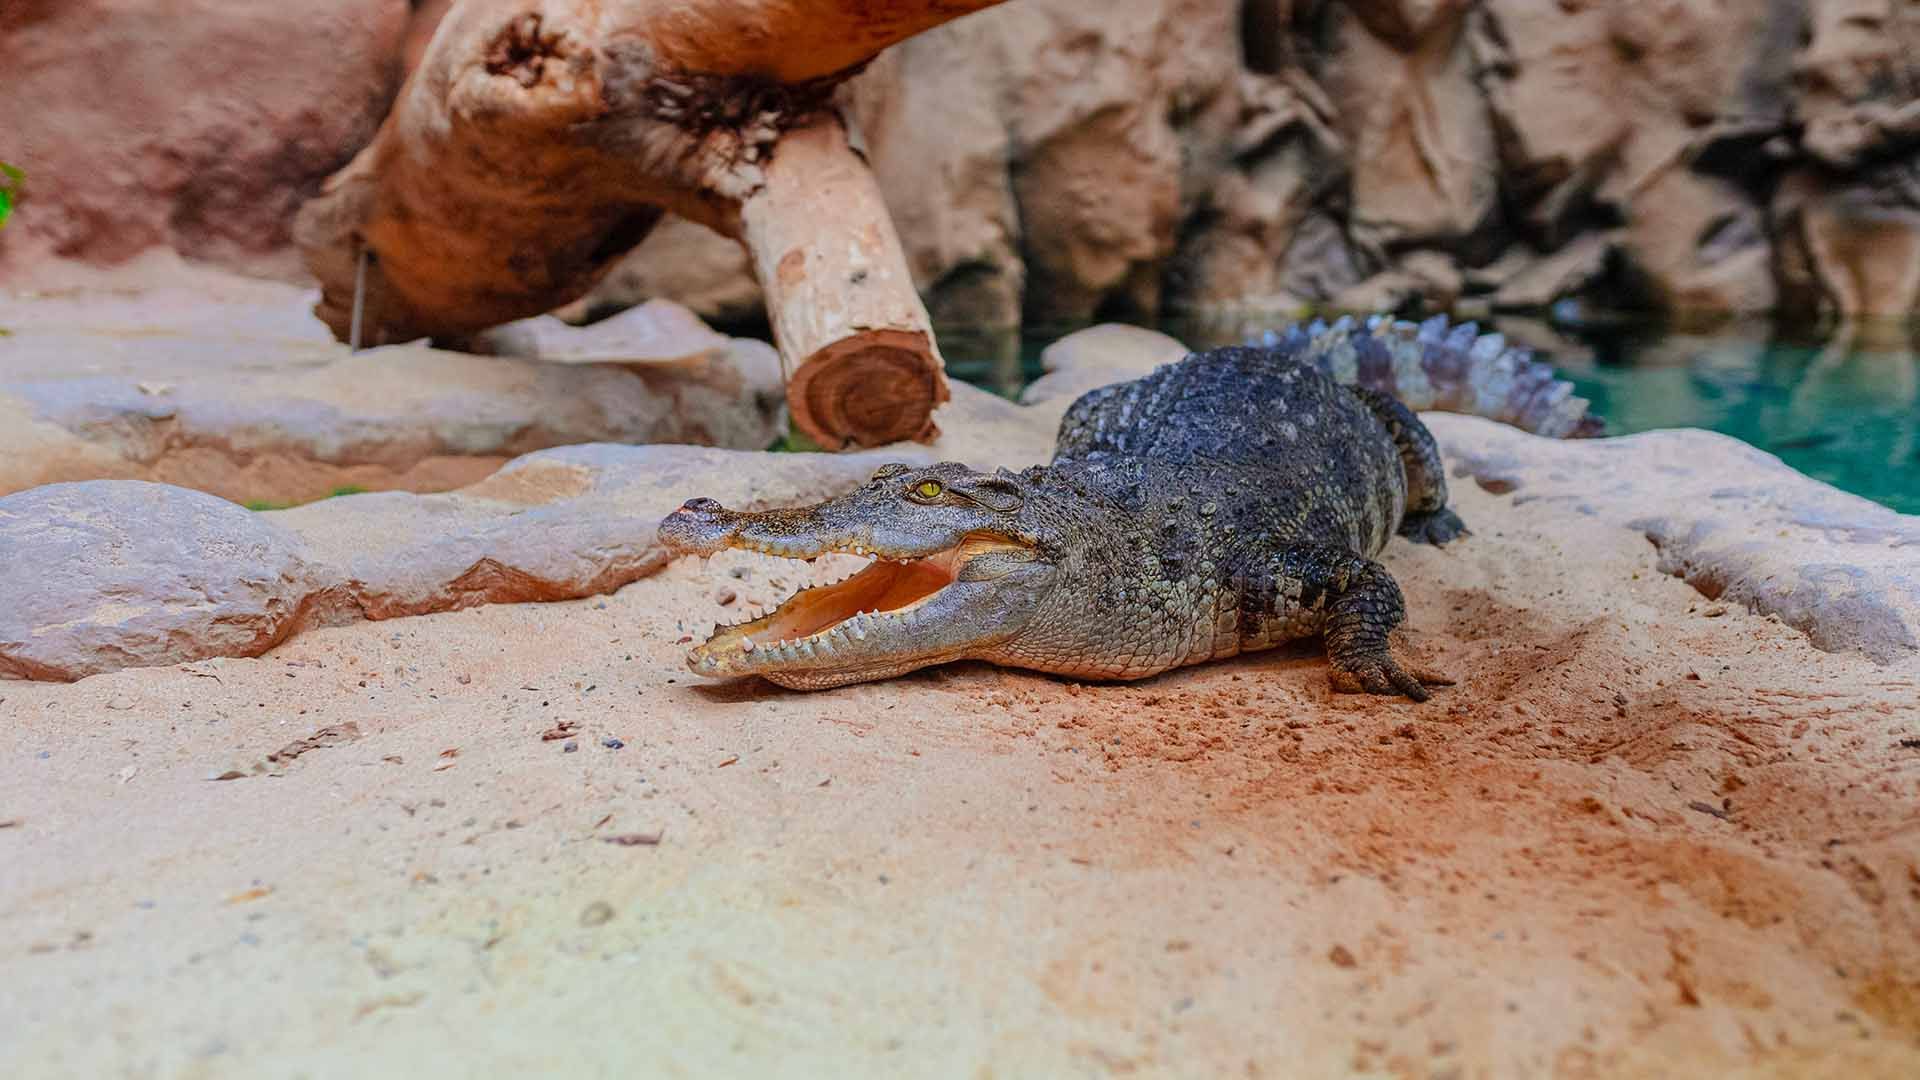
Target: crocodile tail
<point>1438,365</point>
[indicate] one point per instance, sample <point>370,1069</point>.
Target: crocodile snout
<point>700,527</point>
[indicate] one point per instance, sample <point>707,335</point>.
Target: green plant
<point>268,504</point>
<point>10,189</point>
<point>794,442</point>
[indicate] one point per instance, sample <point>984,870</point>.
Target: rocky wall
<point>1054,160</point>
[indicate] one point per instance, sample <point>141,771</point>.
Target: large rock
<point>1055,160</point>
<point>1603,111</point>
<point>1424,161</point>
<point>106,574</point>
<point>1088,359</point>
<point>1293,161</point>
<point>197,126</point>
<point>1732,521</point>
<point>243,394</point>
<point>1859,81</point>
<point>1852,249</point>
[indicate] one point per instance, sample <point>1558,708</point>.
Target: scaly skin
<point>1224,504</point>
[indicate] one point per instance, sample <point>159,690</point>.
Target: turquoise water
<point>1839,404</point>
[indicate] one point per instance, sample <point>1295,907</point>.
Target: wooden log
<point>540,140</point>
<point>862,365</point>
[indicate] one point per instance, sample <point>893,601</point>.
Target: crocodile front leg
<point>1360,604</point>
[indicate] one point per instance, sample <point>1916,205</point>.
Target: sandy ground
<point>1647,835</point>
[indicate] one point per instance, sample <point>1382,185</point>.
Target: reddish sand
<point>1647,834</point>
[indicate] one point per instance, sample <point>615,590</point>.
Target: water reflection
<point>1840,402</point>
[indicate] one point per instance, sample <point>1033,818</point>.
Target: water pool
<point>1839,404</point>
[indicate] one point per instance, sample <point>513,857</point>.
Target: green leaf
<point>13,171</point>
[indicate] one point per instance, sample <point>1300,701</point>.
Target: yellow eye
<point>928,489</point>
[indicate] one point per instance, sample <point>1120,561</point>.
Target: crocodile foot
<point>1434,528</point>
<point>1377,672</point>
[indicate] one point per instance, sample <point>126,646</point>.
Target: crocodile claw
<point>1379,673</point>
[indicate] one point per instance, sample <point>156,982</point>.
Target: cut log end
<point>877,388</point>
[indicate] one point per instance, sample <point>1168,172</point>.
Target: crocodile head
<point>961,561</point>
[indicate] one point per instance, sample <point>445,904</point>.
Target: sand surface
<point>1647,834</point>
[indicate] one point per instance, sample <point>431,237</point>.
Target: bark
<point>861,362</point>
<point>540,140</point>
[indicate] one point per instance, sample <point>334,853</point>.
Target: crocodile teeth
<point>747,645</point>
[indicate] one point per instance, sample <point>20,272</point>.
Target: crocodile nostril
<point>701,506</point>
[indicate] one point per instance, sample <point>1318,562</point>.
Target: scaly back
<point>1240,404</point>
<point>1236,406</point>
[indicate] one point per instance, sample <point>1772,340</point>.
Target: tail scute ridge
<point>1440,365</point>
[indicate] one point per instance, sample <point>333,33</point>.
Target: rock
<point>1421,139</point>
<point>1598,107</point>
<point>1852,250</point>
<point>708,273</point>
<point>1536,282</point>
<point>1097,176</point>
<point>1735,523</point>
<point>734,388</point>
<point>243,395</point>
<point>104,575</point>
<point>554,525</point>
<point>133,141</point>
<point>939,138</point>
<point>211,579</point>
<point>657,331</point>
<point>1420,279</point>
<point>1052,160</point>
<point>1859,81</point>
<point>1322,262</point>
<point>112,573</point>
<point>1292,160</point>
<point>1088,359</point>
<point>1699,243</point>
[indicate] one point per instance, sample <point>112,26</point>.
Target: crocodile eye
<point>928,489</point>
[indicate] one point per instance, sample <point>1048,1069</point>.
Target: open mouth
<point>821,622</point>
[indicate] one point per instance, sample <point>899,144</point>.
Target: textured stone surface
<point>1096,356</point>
<point>1043,158</point>
<point>1054,159</point>
<point>578,521</point>
<point>198,125</point>
<point>106,574</point>
<point>1730,520</point>
<point>241,393</point>
<point>556,525</point>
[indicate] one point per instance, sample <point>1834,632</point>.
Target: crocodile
<point>1228,502</point>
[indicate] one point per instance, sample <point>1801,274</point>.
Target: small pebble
<point>598,913</point>
<point>570,747</point>
<point>612,743</point>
